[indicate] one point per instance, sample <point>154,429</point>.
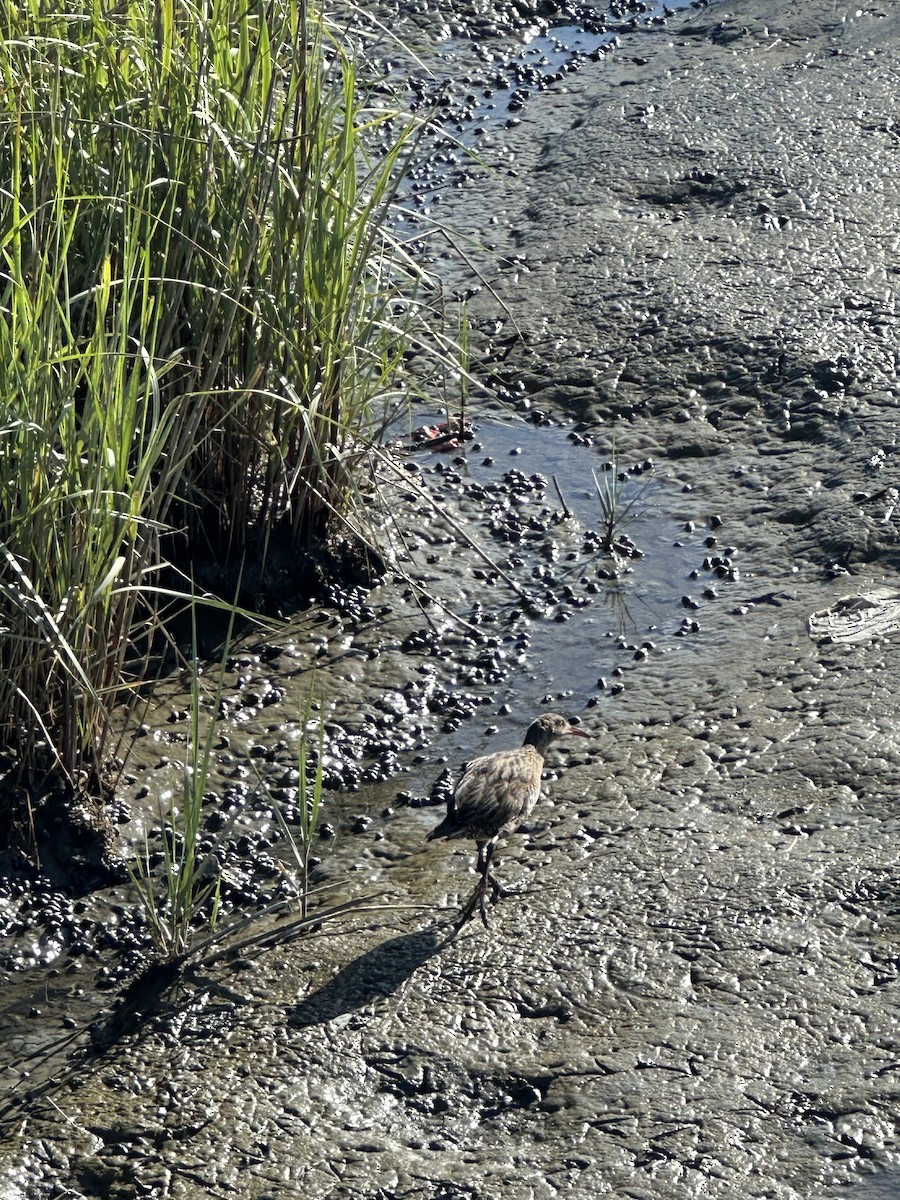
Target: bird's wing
<point>498,789</point>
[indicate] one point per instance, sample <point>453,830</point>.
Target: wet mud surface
<point>696,993</point>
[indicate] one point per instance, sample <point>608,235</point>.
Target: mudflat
<point>695,242</point>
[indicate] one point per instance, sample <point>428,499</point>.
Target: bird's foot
<point>498,891</point>
<point>476,900</point>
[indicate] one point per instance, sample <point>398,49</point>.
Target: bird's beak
<point>578,731</point>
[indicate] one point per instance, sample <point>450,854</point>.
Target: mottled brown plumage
<point>495,794</point>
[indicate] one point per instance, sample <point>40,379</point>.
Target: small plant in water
<point>616,507</point>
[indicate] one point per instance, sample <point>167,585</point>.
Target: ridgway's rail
<point>496,793</point>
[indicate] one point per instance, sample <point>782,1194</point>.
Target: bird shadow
<point>372,976</point>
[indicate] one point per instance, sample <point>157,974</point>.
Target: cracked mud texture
<point>697,995</point>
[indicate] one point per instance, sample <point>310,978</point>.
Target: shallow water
<point>543,56</point>
<point>485,85</point>
<point>639,611</point>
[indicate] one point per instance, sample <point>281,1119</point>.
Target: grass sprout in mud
<point>180,889</point>
<point>187,896</point>
<point>309,804</point>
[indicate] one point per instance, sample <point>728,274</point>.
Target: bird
<point>496,793</point>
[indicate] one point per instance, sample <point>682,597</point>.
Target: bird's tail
<point>449,828</point>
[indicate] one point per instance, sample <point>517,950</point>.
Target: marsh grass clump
<point>201,313</point>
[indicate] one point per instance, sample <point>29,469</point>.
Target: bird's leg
<point>497,889</point>
<point>476,900</point>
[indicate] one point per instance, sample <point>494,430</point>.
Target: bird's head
<point>547,728</point>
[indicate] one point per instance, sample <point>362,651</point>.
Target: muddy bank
<point>697,995</point>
